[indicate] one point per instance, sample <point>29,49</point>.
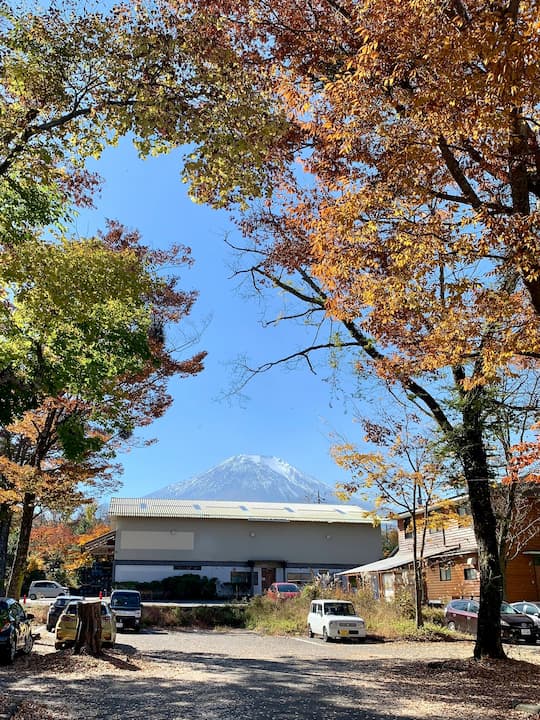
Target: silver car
<point>532,609</point>
<point>46,589</point>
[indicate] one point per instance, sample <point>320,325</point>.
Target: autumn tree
<point>85,321</point>
<point>75,81</point>
<point>88,319</point>
<point>401,475</point>
<point>418,125</point>
<point>58,538</point>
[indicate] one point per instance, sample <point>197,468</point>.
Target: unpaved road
<point>244,676</point>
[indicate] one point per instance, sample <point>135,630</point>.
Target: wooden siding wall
<point>522,579</point>
<point>456,587</point>
<point>455,535</point>
<point>522,573</point>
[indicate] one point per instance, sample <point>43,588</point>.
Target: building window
<point>470,573</point>
<point>244,578</point>
<point>445,572</point>
<point>408,527</point>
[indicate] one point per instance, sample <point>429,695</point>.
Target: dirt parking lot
<point>240,675</point>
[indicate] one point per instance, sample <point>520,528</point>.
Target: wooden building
<point>450,561</point>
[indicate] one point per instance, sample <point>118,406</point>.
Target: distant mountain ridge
<point>255,478</point>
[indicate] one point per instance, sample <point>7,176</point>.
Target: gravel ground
<point>232,675</point>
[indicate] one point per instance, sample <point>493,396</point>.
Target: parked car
<point>335,620</point>
<point>531,609</point>
<point>127,609</point>
<point>15,630</point>
<point>46,589</point>
<point>66,626</point>
<point>56,608</point>
<point>463,615</point>
<point>283,590</point>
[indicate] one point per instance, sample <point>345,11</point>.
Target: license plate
<point>526,632</point>
<point>343,632</point>
<point>119,624</point>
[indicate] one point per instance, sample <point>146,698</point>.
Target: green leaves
<point>74,441</point>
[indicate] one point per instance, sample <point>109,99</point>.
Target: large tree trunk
<point>5,524</point>
<point>18,569</point>
<point>88,628</point>
<point>473,453</point>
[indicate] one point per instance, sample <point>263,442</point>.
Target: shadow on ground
<point>178,685</point>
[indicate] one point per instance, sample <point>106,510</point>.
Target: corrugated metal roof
<point>237,510</point>
<point>396,561</point>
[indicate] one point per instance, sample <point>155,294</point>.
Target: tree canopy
<point>413,219</point>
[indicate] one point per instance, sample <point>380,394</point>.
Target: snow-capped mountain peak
<point>251,478</point>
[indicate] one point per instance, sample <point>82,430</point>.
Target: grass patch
<point>391,621</point>
<point>207,617</point>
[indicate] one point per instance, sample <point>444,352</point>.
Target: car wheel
<point>451,625</point>
<point>28,644</point>
<point>137,628</point>
<point>325,635</point>
<point>361,640</point>
<point>33,596</point>
<point>309,631</point>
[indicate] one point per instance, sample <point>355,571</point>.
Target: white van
<point>127,608</point>
<point>335,620</point>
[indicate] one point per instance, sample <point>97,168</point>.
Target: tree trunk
<point>88,628</point>
<point>5,524</point>
<point>417,567</point>
<point>418,593</point>
<point>473,453</point>
<point>18,569</point>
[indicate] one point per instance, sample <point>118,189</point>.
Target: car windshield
<point>508,609</point>
<point>129,600</point>
<point>63,601</point>
<point>339,609</point>
<point>283,587</point>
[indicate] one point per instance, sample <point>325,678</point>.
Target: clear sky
<point>290,414</point>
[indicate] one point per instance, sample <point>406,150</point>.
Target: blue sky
<point>290,414</point>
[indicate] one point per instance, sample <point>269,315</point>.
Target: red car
<point>282,590</point>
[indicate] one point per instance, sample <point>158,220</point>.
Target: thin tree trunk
<point>6,515</point>
<point>18,569</point>
<point>417,565</point>
<point>418,593</point>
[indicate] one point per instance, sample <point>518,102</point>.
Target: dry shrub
<point>203,616</point>
<point>39,612</point>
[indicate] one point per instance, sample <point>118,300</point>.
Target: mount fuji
<point>255,478</point>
